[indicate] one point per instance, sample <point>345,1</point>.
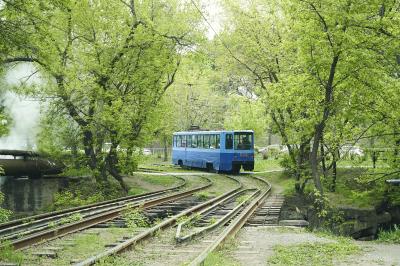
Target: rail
<point>98,218</point>
<point>151,231</point>
<point>234,227</point>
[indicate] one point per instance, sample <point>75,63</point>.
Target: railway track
<point>216,220</point>
<point>22,233</point>
<point>202,226</point>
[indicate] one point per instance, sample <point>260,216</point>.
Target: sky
<point>25,112</point>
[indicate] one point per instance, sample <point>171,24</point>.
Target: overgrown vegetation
<point>4,213</point>
<point>85,191</point>
<point>392,236</point>
<point>134,218</point>
<point>221,257</point>
<point>66,220</point>
<point>313,253</point>
<point>8,254</point>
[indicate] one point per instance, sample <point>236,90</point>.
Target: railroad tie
<point>46,253</point>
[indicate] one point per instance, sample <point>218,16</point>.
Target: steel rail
<point>148,233</point>
<point>223,220</point>
<point>234,227</point>
<point>9,227</point>
<point>99,218</point>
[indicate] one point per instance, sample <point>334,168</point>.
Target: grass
<point>141,183</point>
<point>279,180</point>
<point>313,253</point>
<point>265,165</point>
<point>392,237</point>
<point>85,246</point>
<point>350,193</point>
<point>137,191</point>
<point>8,254</point>
<point>220,185</point>
<point>220,257</point>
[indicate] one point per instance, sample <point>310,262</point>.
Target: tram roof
<point>211,132</point>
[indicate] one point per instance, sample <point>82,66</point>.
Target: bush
<point>4,214</point>
<point>392,236</point>
<point>8,254</point>
<point>85,191</point>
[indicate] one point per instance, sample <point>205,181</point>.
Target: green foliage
<point>241,199</point>
<point>299,58</point>
<point>202,195</point>
<point>219,258</point>
<point>313,253</point>
<point>105,68</point>
<point>136,191</point>
<point>4,214</point>
<point>392,236</point>
<point>8,254</point>
<point>134,217</point>
<point>245,114</point>
<point>85,191</point>
<point>67,199</point>
<point>66,220</point>
<point>353,190</point>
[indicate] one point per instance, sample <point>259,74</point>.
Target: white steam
<point>25,112</point>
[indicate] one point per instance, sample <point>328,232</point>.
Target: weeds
<point>313,253</point>
<point>8,254</point>
<point>135,218</point>
<point>392,236</point>
<point>66,220</point>
<point>241,199</point>
<point>202,196</point>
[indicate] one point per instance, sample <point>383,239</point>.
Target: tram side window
<point>228,141</point>
<point>183,141</point>
<point>212,142</point>
<point>174,141</point>
<point>200,141</point>
<point>178,141</point>
<point>189,141</point>
<point>218,142</point>
<point>206,142</point>
<point>194,141</point>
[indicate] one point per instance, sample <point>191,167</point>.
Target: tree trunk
<point>314,158</point>
<point>334,169</point>
<point>319,128</point>
<point>165,149</point>
<point>112,165</point>
<point>323,162</point>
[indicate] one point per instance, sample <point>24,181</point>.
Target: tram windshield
<point>243,140</point>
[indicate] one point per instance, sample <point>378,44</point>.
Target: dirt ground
<point>255,246</point>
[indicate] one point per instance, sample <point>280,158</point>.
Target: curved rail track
<point>22,234</point>
<point>234,217</point>
<point>215,220</point>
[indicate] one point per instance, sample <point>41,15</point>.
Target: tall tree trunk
<point>323,159</point>
<point>314,158</point>
<point>165,149</point>
<point>319,128</point>
<point>112,165</point>
<point>334,169</point>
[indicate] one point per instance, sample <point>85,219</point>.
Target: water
<point>26,196</point>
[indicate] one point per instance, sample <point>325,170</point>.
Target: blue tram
<point>214,150</point>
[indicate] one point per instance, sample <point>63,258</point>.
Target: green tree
<point>107,64</point>
<point>316,62</point>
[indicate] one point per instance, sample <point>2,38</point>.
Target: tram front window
<point>243,141</point>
